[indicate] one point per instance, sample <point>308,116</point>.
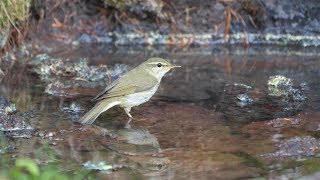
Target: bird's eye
<point>159,64</point>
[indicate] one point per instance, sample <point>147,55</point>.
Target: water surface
<point>194,127</point>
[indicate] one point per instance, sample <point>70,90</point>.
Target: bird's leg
<point>128,109</point>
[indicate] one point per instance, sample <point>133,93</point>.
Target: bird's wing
<point>109,86</point>
<point>129,84</point>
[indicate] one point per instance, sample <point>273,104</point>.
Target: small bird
<point>132,89</point>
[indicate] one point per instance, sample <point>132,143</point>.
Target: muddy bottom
<point>226,114</point>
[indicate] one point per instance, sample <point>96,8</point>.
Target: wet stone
<point>296,147</point>
<point>279,80</point>
<point>50,68</point>
<point>14,126</point>
<point>67,78</point>
<point>73,109</point>
<point>57,88</point>
<point>70,88</point>
<point>280,86</point>
<point>118,69</point>
<point>6,106</point>
<point>244,100</point>
<point>280,122</point>
<point>242,85</point>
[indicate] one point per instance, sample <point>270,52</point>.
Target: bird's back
<point>134,81</point>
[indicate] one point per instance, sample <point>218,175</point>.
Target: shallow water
<point>194,127</point>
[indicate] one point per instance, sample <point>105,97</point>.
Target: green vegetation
<point>11,12</point>
<point>27,169</point>
<point>45,165</point>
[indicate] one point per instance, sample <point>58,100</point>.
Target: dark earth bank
<point>181,23</point>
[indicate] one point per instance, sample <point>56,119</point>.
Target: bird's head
<point>158,66</point>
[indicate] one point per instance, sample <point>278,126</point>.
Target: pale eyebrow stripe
<point>155,63</point>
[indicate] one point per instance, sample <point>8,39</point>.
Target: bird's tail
<point>99,108</point>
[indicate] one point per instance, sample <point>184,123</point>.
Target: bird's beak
<point>173,66</point>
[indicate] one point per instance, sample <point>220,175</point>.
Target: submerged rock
<point>296,147</point>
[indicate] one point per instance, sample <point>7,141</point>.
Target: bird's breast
<point>136,99</point>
